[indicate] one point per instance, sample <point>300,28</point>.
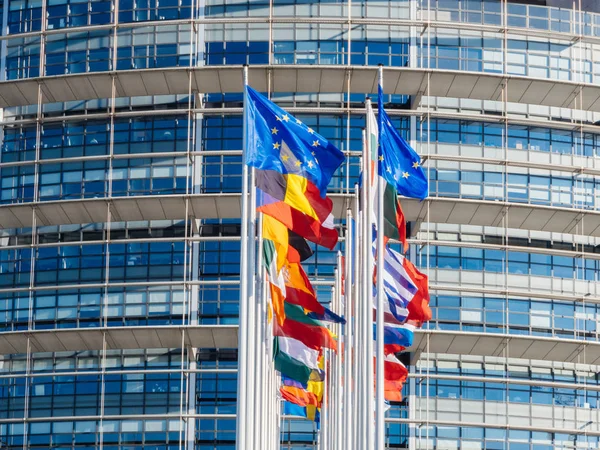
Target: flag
<point>393,390</point>
<point>278,141</point>
<point>299,396</point>
<point>418,308</point>
<point>394,223</point>
<point>298,290</point>
<point>394,370</point>
<point>314,387</point>
<point>297,204</point>
<point>310,412</point>
<point>327,316</point>
<point>399,164</point>
<point>276,280</point>
<point>300,352</point>
<point>401,335</point>
<point>288,245</point>
<point>293,368</point>
<point>309,331</point>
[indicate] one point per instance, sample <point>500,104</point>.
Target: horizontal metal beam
<point>117,338</point>
<point>301,79</point>
<point>539,348</point>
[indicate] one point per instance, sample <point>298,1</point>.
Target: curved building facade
<point>120,181</point>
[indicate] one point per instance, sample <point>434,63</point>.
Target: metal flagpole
<point>240,435</point>
<point>259,341</point>
<point>368,291</point>
<point>357,355</point>
<point>348,300</point>
<point>365,338</point>
<point>341,381</point>
<point>251,329</point>
<point>380,401</point>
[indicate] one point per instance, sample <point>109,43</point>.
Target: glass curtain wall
<point>111,273</point>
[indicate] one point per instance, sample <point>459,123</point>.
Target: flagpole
<point>240,435</point>
<point>362,355</point>
<point>340,379</point>
<point>380,403</point>
<point>368,292</point>
<point>348,298</point>
<point>357,326</point>
<point>259,340</point>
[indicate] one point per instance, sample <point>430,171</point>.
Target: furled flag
<point>394,226</point>
<point>399,164</point>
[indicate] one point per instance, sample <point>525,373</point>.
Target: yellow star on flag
<point>285,118</point>
<point>316,143</point>
<point>405,175</point>
<point>276,145</point>
<point>381,158</point>
<point>284,158</point>
<point>310,130</point>
<point>310,165</point>
<point>274,130</point>
<point>298,163</point>
<point>416,165</point>
<point>298,121</point>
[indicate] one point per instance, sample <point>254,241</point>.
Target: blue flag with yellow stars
<point>276,140</point>
<point>399,164</point>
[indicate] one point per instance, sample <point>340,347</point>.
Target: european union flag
<point>278,141</point>
<point>399,164</point>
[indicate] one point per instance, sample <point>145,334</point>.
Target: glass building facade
<point>120,181</point>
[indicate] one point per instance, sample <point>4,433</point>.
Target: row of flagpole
<point>353,405</point>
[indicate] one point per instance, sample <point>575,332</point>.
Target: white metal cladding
<point>299,78</point>
<point>143,337</point>
<point>228,206</point>
<point>226,336</point>
<point>501,214</point>
<point>505,345</point>
<point>132,209</point>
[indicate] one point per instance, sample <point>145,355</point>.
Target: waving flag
<point>310,412</point>
<point>399,164</point>
<point>280,142</point>
<point>309,331</point>
<point>394,226</point>
<point>298,289</point>
<point>294,368</point>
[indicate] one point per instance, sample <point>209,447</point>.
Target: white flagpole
<point>251,329</point>
<point>366,337</point>
<point>357,328</point>
<point>240,437</point>
<point>259,342</point>
<point>340,379</point>
<point>368,291</point>
<point>380,403</point>
<point>348,300</point>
